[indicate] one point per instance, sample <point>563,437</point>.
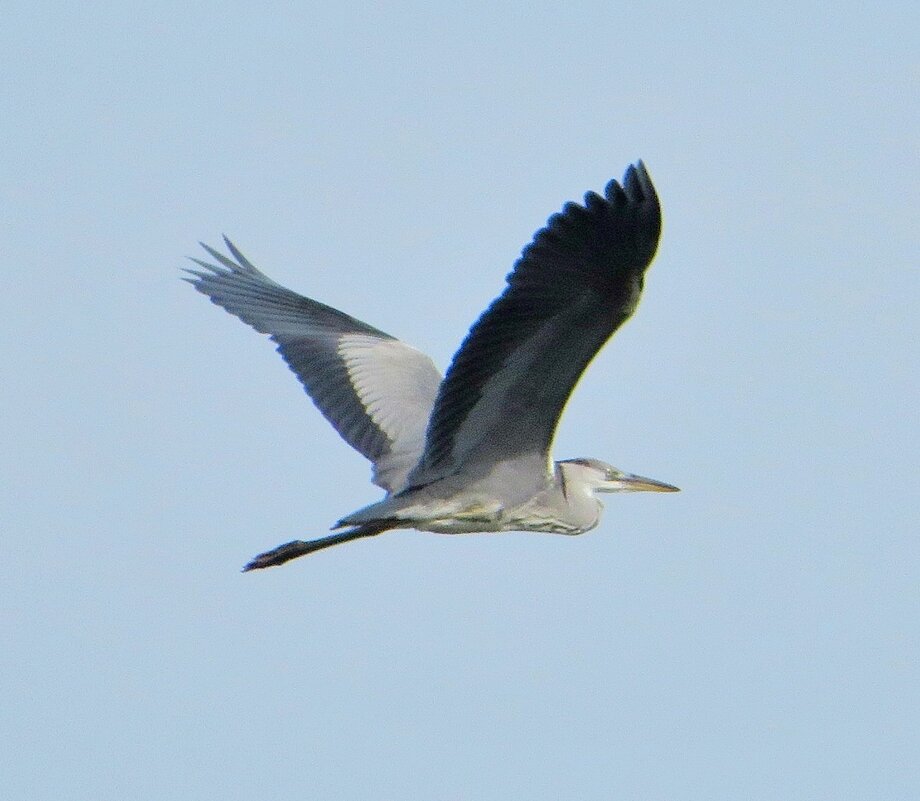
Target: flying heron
<point>469,452</point>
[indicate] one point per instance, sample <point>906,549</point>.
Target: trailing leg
<point>291,550</point>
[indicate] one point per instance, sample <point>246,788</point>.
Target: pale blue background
<point>755,637</point>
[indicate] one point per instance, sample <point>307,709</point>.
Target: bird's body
<point>560,501</point>
<point>462,504</point>
<point>469,452</point>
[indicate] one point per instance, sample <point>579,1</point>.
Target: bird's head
<point>597,476</point>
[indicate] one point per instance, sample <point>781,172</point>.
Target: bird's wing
<point>572,287</point>
<point>375,390</point>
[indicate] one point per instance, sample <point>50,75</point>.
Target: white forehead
<point>591,464</point>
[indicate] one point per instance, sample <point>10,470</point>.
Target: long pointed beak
<point>642,484</point>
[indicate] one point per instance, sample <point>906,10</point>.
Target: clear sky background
<point>755,637</point>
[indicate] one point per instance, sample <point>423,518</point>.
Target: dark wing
<point>375,390</point>
<point>573,286</point>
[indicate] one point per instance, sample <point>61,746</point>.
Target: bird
<point>470,451</point>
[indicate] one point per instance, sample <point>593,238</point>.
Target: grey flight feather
<point>573,286</point>
<point>375,390</point>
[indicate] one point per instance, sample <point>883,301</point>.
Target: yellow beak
<point>642,484</point>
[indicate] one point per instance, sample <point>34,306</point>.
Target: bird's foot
<point>278,556</point>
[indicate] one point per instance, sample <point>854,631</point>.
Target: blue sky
<point>755,636</point>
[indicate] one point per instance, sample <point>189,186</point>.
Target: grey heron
<point>469,452</point>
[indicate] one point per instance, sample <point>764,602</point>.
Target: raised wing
<point>573,286</point>
<point>375,390</point>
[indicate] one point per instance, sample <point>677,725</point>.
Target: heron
<point>469,452</point>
